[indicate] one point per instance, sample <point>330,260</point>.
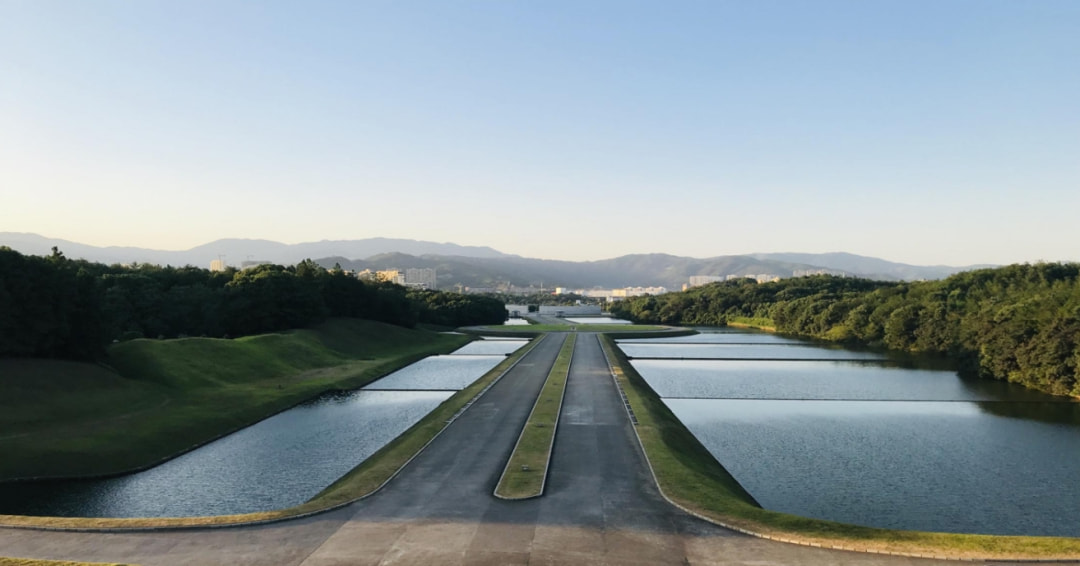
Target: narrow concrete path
<point>600,507</point>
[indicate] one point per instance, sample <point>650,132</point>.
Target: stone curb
<point>305,515</point>
<point>551,445</point>
<point>760,535</point>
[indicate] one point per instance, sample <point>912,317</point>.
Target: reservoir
<point>278,462</point>
<point>860,437</point>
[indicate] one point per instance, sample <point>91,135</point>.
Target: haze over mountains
<point>481,266</point>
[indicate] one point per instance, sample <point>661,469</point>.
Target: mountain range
<point>481,266</point>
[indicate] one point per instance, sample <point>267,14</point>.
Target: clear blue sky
<point>917,131</point>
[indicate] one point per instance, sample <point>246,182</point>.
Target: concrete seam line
<point>756,534</point>
<point>535,342</point>
<point>525,427</point>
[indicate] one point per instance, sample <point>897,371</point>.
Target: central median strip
<point>690,478</point>
<point>526,470</point>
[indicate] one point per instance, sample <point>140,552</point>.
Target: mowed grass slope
<point>361,481</point>
<point>61,419</point>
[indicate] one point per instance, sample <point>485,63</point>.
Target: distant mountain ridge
<point>481,266</point>
<point>870,267</point>
<point>236,250</point>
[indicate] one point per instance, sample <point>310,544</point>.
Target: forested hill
<point>630,270</point>
<point>61,308</point>
<point>1019,323</point>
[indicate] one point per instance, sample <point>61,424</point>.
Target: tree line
<point>1019,323</point>
<point>57,307</point>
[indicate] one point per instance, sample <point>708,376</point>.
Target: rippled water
<point>743,351</point>
<point>489,347</point>
<point>768,379</point>
<point>597,320</point>
<point>438,373</point>
<point>718,336</point>
<point>278,462</point>
<point>931,466</point>
<point>884,444</point>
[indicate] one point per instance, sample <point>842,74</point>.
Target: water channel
<point>865,438</point>
<point>279,462</point>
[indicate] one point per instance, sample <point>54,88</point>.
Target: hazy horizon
<point>493,247</point>
<point>926,133</point>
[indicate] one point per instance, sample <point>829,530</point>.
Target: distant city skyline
<point>922,132</point>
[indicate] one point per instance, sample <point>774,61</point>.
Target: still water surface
<point>489,347</point>
<point>874,443</point>
<point>278,462</point>
<point>438,373</point>
<point>744,351</point>
<point>597,320</point>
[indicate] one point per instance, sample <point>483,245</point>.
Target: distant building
<point>423,277</point>
<point>391,276</point>
<point>568,310</point>
<point>808,272</point>
<point>217,265</point>
<point>699,280</point>
<point>419,277</point>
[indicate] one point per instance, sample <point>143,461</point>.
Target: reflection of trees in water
<point>1060,412</point>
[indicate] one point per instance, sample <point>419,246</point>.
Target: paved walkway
<point>601,506</point>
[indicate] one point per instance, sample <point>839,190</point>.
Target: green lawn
<point>689,475</point>
<point>527,467</point>
<point>166,396</point>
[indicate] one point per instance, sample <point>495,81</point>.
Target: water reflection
<point>904,443</point>
<point>278,462</point>
<point>934,466</point>
<point>745,351</point>
<point>489,347</point>
<point>597,320</point>
<point>438,373</point>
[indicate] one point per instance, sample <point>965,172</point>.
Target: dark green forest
<point>56,307</point>
<point>1019,323</point>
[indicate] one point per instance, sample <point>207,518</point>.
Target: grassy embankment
<point>689,475</point>
<point>361,481</point>
<point>760,323</point>
<point>63,419</point>
<point>526,470</point>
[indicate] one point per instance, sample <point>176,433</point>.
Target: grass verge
<point>526,470</point>
<point>362,481</point>
<point>689,476</point>
<point>164,397</point>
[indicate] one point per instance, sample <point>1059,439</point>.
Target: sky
<point>926,132</point>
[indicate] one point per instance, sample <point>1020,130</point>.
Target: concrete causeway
<point>600,507</point>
